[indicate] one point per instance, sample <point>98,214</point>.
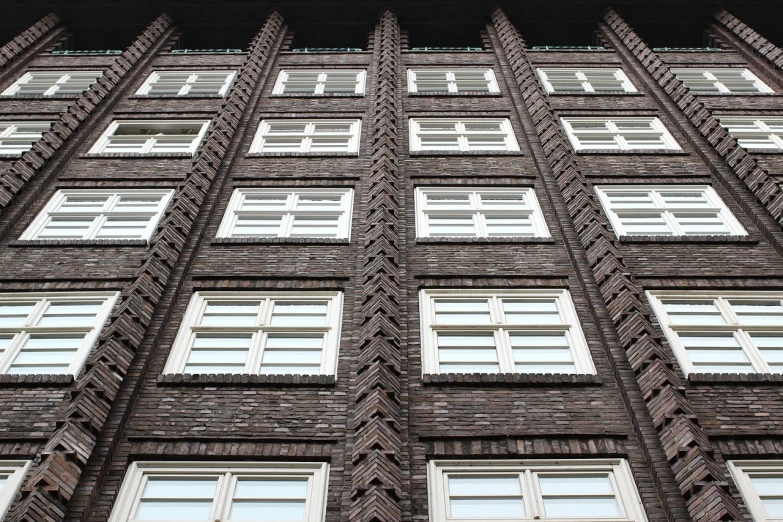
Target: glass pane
<point>533,311</point>
<point>224,313</point>
<point>575,484</point>
<point>462,311</point>
<point>693,311</point>
<point>267,510</point>
<point>768,312</point>
<point>280,489</point>
<point>15,314</point>
<point>582,507</point>
<point>71,314</point>
<point>299,314</point>
<point>487,508</point>
<point>477,486</point>
<point>200,488</point>
<point>173,510</point>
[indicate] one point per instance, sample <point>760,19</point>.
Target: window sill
<point>483,240</point>
<point>511,379</point>
<point>435,94</point>
<point>633,152</point>
<point>43,243</point>
<point>590,94</point>
<point>176,96</point>
<point>763,151</point>
<point>136,155</point>
<point>302,154</point>
<point>56,379</point>
<point>11,156</point>
<point>42,97</point>
<point>436,153</point>
<point>688,239</point>
<point>775,379</point>
<point>313,95</point>
<point>737,94</point>
<point>279,241</point>
<point>233,379</point>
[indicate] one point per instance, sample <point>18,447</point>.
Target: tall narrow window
<point>17,137</point>
<point>53,83</point>
<point>308,136</point>
<point>761,484</point>
<point>324,81</point>
<point>619,133</point>
<point>183,83</point>
<point>208,491</point>
<point>764,132</point>
<point>501,331</point>
<point>151,137</point>
<point>451,134</point>
<point>684,210</point>
<point>724,80</point>
<point>99,214</point>
<point>585,80</point>
<point>484,212</point>
<point>12,474</point>
<point>259,333</point>
<point>723,332</point>
<point>564,490</point>
<point>264,212</point>
<point>452,80</point>
<point>50,333</point>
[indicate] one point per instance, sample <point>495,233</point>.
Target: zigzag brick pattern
<point>52,482</point>
<point>10,51</point>
<point>690,455</point>
<point>757,42</point>
<point>377,474</point>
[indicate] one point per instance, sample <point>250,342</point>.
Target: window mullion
<point>97,223</point>
<point>752,353</point>
<point>14,347</point>
<point>505,354</point>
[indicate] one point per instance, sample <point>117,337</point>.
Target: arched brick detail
<point>28,38</point>
<point>699,476</point>
<point>762,46</point>
<point>52,482</point>
<point>377,474</point>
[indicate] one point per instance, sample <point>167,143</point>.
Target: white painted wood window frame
<point>10,129</point>
<point>611,129</point>
<point>323,78</point>
<point>149,146</point>
<point>42,299</point>
<point>52,209</point>
<point>579,74</point>
<point>740,471</point>
<point>453,83</point>
<point>619,472</point>
<point>570,325</point>
<point>288,215</point>
<point>718,206</point>
<point>761,128</point>
<point>477,210</point>
<point>65,77</point>
<point>227,473</point>
<point>708,74</point>
<point>741,331</point>
<point>15,470</point>
<point>460,132</point>
<point>188,330</point>
<point>257,147</point>
<point>155,77</point>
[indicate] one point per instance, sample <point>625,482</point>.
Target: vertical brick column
<point>29,40</point>
<point>377,474</point>
<point>684,443</point>
<point>55,476</point>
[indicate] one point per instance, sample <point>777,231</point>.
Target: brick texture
<point>28,38</point>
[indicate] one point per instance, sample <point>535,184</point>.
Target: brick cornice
<point>766,49</point>
<point>27,39</point>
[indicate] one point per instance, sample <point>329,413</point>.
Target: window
<point>683,210</point>
<point>311,136</point>
<point>585,80</point>
<point>726,332</point>
<point>765,132</point>
<point>181,83</point>
<point>324,81</point>
<point>207,491</point>
<point>513,490</point>
<point>50,333</point>
<point>151,137</point>
<point>288,213</point>
<point>485,212</point>
<point>53,83</point>
<point>100,214</point>
<point>501,331</point>
<point>475,134</point>
<point>618,134</point>
<point>259,333</point>
<point>455,80</point>
<point>721,80</point>
<point>11,475</point>
<point>761,484</point>
<point>17,137</point>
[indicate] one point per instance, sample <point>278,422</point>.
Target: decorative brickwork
<point>16,47</point>
<point>377,475</point>
<point>765,48</point>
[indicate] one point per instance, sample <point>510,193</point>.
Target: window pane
<point>462,311</point>
<point>539,311</point>
<point>758,312</point>
<point>299,314</point>
<point>578,496</point>
<point>15,315</point>
<point>70,314</point>
<point>487,508</point>
<point>693,312</point>
<point>223,313</point>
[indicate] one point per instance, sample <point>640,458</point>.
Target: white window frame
<point>453,85</point>
<point>708,74</point>
<point>611,129</point>
<point>188,330</point>
<point>579,74</point>
<point>65,77</point>
<point>459,131</point>
<point>289,214</point>
<point>42,299</point>
<point>626,493</point>
<point>570,325</point>
<point>477,211</point>
<point>16,471</point>
<point>257,147</point>
<point>138,473</point>
<point>53,205</point>
<point>720,208</point>
<point>740,471</point>
<point>149,146</point>
<point>761,124</point>
<point>740,330</point>
<point>323,75</point>
<point>8,129</point>
<point>155,76</point>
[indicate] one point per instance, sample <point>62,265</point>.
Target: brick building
<point>492,279</point>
